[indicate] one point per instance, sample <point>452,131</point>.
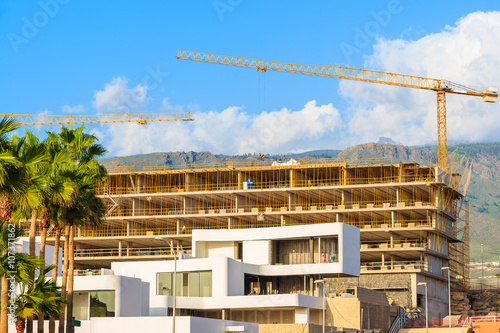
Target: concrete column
<point>79,234</point>
<point>128,228</point>
<point>337,217</point>
<point>283,223</point>
<point>178,227</point>
<point>383,259</point>
<point>120,248</point>
<point>128,248</point>
<point>183,205</point>
<point>229,223</point>
<point>392,219</point>
<point>392,240</point>
<point>397,196</point>
<point>311,250</point>
<point>187,182</point>
<point>289,201</point>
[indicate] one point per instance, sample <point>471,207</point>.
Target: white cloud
<point>231,131</point>
<point>77,109</point>
<point>117,97</point>
<point>466,53</point>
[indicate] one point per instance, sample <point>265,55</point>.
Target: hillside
<point>204,157</point>
<point>483,193</point>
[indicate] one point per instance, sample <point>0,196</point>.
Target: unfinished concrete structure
<point>407,215</point>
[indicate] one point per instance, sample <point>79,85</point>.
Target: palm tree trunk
<point>4,299</point>
<point>43,239</point>
<point>32,236</point>
<point>55,261</point>
<point>71,267</point>
<point>20,325</point>
<point>64,278</point>
<point>42,257</point>
<point>5,215</point>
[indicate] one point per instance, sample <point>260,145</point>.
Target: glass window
<point>178,287</point>
<point>206,284</point>
<point>164,284</point>
<point>185,284</point>
<point>102,304</point>
<point>194,284</point>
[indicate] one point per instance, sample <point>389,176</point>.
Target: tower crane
<point>440,86</point>
<point>139,118</point>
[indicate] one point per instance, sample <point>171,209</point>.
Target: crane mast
<point>440,86</point>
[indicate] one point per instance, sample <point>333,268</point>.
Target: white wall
<point>161,325</point>
<point>302,315</point>
<point>349,249</point>
<point>219,250</point>
<point>256,252</point>
<point>128,291</point>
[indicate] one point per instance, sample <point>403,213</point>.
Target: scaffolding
<point>460,252</point>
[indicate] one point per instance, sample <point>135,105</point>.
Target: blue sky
<point>87,57</point>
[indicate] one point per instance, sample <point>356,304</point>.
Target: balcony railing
<point>165,211</point>
<point>257,185</point>
<point>397,244</point>
<point>374,267</point>
<point>131,252</point>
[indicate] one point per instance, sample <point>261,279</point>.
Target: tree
<point>46,184</point>
<point>29,149</point>
<point>85,207</point>
<point>9,183</point>
<point>58,192</point>
<point>37,299</point>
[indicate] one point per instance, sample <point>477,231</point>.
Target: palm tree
<point>37,299</point>
<point>47,184</point>
<point>10,182</point>
<point>14,266</point>
<point>32,155</point>
<point>85,208</point>
<point>59,191</point>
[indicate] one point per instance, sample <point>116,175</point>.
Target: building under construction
<point>408,216</point>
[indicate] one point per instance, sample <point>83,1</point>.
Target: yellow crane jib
<point>139,118</point>
<point>441,87</point>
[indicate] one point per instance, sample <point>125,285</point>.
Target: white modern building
<point>242,277</point>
